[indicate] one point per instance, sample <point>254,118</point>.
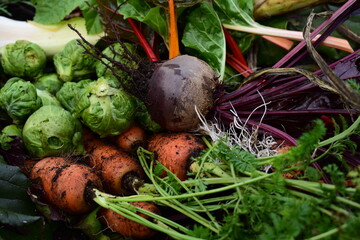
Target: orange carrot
<point>65,184</point>
<point>129,228</point>
<point>131,139</point>
<point>174,151</point>
<point>91,140</point>
<point>115,165</point>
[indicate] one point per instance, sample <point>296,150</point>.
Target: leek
<point>52,38</point>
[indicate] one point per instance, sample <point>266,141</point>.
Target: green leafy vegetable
<point>7,135</point>
<point>204,38</point>
<point>19,99</point>
<point>117,53</point>
<point>49,82</point>
<point>143,11</point>
<point>16,208</point>
<point>93,22</point>
<point>47,98</point>
<point>45,10</point>
<point>23,59</point>
<point>52,131</point>
<point>306,145</point>
<point>72,64</point>
<point>68,93</point>
<point>105,108</point>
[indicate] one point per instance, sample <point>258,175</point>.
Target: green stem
<point>332,206</point>
<point>207,167</point>
<point>125,211</point>
<point>135,198</point>
<point>337,137</point>
<point>328,233</point>
<point>341,135</point>
<point>303,185</point>
<point>166,198</point>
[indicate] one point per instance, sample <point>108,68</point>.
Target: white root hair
<point>238,134</point>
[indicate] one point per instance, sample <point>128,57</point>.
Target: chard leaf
<point>16,208</point>
<point>204,38</point>
<point>54,11</point>
<point>142,11</point>
<point>235,12</point>
<point>92,19</point>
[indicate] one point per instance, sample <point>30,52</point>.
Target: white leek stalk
<point>52,38</point>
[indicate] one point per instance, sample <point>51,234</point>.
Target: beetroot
<point>176,87</point>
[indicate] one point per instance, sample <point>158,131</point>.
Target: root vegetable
<point>176,87</point>
<point>114,165</point>
<point>127,227</point>
<point>174,151</point>
<point>66,185</point>
<point>131,139</point>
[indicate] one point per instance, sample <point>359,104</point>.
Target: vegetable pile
<point>113,128</point>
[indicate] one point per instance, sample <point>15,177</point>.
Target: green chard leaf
<point>203,37</point>
<point>92,18</point>
<point>142,11</point>
<point>235,12</point>
<point>54,11</point>
<point>16,208</point>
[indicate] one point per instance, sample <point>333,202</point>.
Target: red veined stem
<point>234,47</point>
<point>238,65</point>
<point>142,40</point>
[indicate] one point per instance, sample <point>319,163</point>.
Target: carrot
<point>66,185</point>
<point>174,151</point>
<point>116,167</point>
<point>127,227</point>
<point>91,140</point>
<point>131,139</point>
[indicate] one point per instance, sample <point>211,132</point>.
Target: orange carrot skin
<point>130,139</point>
<point>129,228</point>
<point>115,169</point>
<point>70,188</point>
<point>44,170</point>
<point>65,184</point>
<point>174,151</point>
<point>91,140</point>
<point>112,163</point>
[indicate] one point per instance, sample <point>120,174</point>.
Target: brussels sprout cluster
<point>23,59</point>
<point>47,101</point>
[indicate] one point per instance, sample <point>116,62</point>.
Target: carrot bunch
<point>110,166</point>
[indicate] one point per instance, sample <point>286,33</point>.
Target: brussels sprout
<point>49,82</point>
<point>72,64</point>
<point>104,109</point>
<point>47,98</point>
<point>23,59</point>
<point>52,131</point>
<point>116,52</point>
<point>19,98</point>
<point>67,95</point>
<point>7,135</point>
